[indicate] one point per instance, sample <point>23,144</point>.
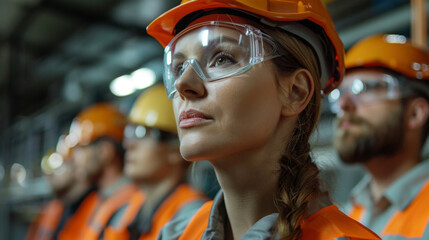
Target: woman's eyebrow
<point>209,43</point>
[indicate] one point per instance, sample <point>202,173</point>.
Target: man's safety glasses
<point>215,50</point>
<point>367,87</point>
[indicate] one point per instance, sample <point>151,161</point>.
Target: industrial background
<point>59,56</point>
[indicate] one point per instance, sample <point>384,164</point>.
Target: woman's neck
<point>249,180</point>
<point>249,185</point>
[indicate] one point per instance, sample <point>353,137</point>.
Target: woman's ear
<point>296,91</point>
<point>418,113</point>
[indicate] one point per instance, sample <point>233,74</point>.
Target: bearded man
<point>382,123</point>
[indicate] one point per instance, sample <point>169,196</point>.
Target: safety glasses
<point>367,87</point>
<point>141,132</point>
<point>215,50</point>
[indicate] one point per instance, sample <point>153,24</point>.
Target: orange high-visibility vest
<point>104,212</point>
<point>183,195</point>
<point>75,224</point>
<point>409,223</point>
<point>47,222</point>
<point>327,223</point>
<point>133,207</point>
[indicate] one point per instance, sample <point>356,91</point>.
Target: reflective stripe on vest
<point>74,226</point>
<point>327,223</point>
<point>107,208</point>
<point>47,222</point>
<point>413,221</point>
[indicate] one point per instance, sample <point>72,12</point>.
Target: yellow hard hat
<point>323,37</point>
<point>390,51</point>
<point>97,121</point>
<point>153,109</point>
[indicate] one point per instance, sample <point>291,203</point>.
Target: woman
<point>245,79</point>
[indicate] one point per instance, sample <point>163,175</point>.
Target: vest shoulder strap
<point>413,221</point>
<point>183,195</point>
<point>331,223</point>
<point>198,223</point>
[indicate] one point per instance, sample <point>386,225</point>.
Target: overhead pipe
<point>418,23</point>
<point>389,22</point>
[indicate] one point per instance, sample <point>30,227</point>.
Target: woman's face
<point>228,116</point>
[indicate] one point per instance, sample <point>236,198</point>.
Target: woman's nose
<point>189,85</point>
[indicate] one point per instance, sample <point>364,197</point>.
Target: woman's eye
<point>222,59</point>
<point>178,70</point>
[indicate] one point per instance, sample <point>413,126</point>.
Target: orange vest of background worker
<point>75,199</point>
<point>154,162</point>
<point>97,134</point>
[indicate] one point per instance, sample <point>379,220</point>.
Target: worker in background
<point>74,197</point>
<point>97,133</point>
<point>383,124</point>
<point>154,162</point>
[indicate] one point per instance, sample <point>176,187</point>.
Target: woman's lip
<point>192,122</point>
<point>191,118</point>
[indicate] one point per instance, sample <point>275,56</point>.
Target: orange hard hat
<point>325,41</point>
<point>97,121</point>
<point>390,51</point>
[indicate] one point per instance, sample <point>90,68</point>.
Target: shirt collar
<point>404,190</point>
<point>400,193</point>
<point>361,193</point>
<point>261,230</point>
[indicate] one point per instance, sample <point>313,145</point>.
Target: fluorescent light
<point>122,86</point>
<point>143,78</point>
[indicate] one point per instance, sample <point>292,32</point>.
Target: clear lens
<point>141,132</point>
<point>214,50</point>
<point>365,88</point>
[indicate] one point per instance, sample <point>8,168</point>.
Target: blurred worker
<point>154,162</point>
<point>74,197</point>
<point>98,134</point>
<point>383,124</point>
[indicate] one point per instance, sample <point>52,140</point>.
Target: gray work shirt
<point>215,231</point>
<point>397,197</point>
<point>264,229</point>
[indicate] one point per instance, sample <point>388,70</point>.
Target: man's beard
<point>373,141</point>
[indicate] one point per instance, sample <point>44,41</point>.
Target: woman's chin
<point>195,154</point>
<point>193,157</point>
